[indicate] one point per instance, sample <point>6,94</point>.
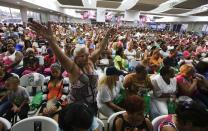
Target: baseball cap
<point>113,71</point>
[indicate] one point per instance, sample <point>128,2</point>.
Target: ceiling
<point>191,4</point>
<point>160,7</point>
<point>108,4</point>
<point>171,7</point>
<point>21,3</point>
<point>71,2</point>
<point>177,11</point>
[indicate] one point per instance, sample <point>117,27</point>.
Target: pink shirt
<point>200,50</point>
<point>182,82</point>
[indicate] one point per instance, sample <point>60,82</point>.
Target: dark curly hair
<point>75,116</point>
<point>134,103</point>
<point>192,112</point>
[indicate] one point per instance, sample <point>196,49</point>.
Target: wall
<point>196,27</point>
<point>49,4</point>
<point>44,17</point>
<point>169,19</point>
<point>78,20</point>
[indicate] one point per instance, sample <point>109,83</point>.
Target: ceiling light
<point>18,2</point>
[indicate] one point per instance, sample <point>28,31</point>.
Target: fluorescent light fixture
<point>166,6</point>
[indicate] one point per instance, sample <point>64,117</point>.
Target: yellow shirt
<point>118,59</point>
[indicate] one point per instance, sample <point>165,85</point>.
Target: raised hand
<point>45,31</point>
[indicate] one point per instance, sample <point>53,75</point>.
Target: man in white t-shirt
<point>164,50</point>
<point>164,87</point>
<point>130,52</point>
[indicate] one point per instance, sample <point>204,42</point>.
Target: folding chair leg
<point>14,119</point>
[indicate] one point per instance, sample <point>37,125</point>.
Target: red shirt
<point>49,59</point>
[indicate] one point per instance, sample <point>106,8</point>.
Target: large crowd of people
<point>93,69</point>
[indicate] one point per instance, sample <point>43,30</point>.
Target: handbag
<point>121,97</point>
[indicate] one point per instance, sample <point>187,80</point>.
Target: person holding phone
<point>189,81</point>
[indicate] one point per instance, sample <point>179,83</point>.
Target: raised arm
<point>47,33</point>
<point>95,55</point>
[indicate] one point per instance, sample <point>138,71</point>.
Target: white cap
<point>87,34</point>
<point>120,37</point>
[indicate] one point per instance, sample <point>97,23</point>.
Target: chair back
<point>36,123</point>
<point>101,125</point>
<point>6,123</point>
<point>111,119</point>
<point>156,122</point>
<point>41,59</point>
<point>15,75</point>
<point>32,80</point>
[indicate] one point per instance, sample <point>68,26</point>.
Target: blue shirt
<point>81,41</point>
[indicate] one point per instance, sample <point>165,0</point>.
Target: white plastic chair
<point>32,123</point>
<point>41,59</point>
<point>6,123</point>
<point>111,119</point>
<point>101,124</point>
<point>33,83</point>
<point>15,75</point>
<point>157,121</point>
<point>32,80</point>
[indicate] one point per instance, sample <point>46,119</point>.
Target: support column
<point>59,18</point>
<point>44,17</point>
<point>65,19</point>
<point>23,12</point>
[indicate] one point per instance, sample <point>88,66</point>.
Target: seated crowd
<point>91,70</point>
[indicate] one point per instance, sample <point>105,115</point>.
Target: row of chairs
<point>41,123</point>
<point>38,123</point>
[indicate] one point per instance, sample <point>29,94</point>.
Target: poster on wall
<point>85,15</point>
<point>100,15</point>
<point>205,28</point>
<point>184,27</point>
